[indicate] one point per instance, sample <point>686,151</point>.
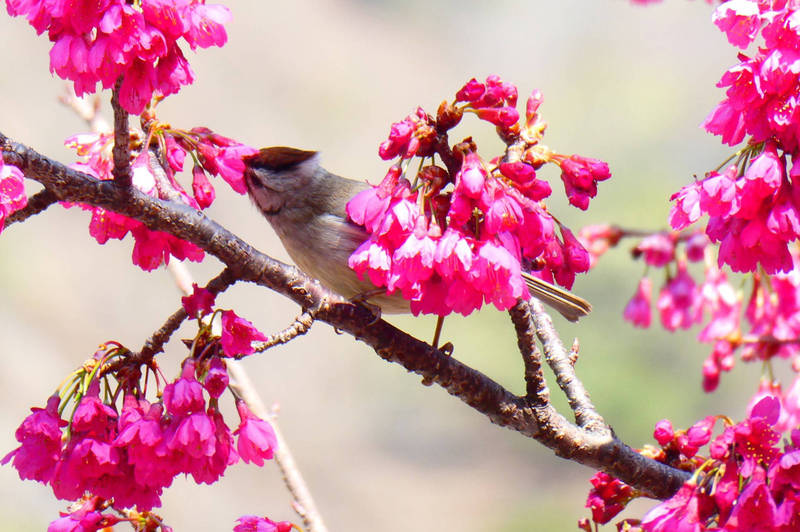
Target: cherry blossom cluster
<point>154,172</point>
<point>139,42</point>
<point>748,480</point>
<point>12,191</point>
<point>760,323</point>
<point>115,459</point>
<point>753,207</point>
<point>454,236</point>
<point>129,455</point>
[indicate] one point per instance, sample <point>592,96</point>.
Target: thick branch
<point>36,204</point>
<point>597,450</point>
<point>303,501</point>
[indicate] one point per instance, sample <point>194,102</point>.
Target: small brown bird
<point>305,204</point>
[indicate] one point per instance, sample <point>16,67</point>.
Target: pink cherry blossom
<point>658,249</point>
<point>184,395</point>
<point>40,439</point>
<point>679,302</point>
<point>104,41</point>
<point>252,523</point>
<point>580,176</point>
<point>216,381</point>
<point>637,311</point>
<point>12,191</point>
<point>607,497</point>
<point>200,302</point>
<point>238,335</point>
<point>451,239</point>
<point>257,441</point>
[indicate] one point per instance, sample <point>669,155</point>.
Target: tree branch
<point>597,449</point>
<point>122,138</point>
<point>559,360</point>
<point>36,204</point>
<point>299,326</point>
<point>535,384</point>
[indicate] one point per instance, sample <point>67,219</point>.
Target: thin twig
<point>36,204</point>
<point>122,137</point>
<point>558,358</point>
<point>86,108</point>
<point>301,325</point>
<point>303,501</point>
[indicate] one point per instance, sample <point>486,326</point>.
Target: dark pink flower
<point>503,117</point>
<point>658,249</point>
<point>184,395</point>
<point>238,335</point>
<point>209,468</point>
<point>608,497</point>
<point>754,510</point>
<point>257,441</point>
<point>204,24</point>
<point>664,433</point>
<point>503,211</point>
<point>719,194</point>
<point>84,462</point>
<point>679,302</point>
<point>497,273</point>
<point>40,438</point>
<point>103,41</point>
<point>145,446</point>
<point>524,177</point>
<point>368,207</point>
<point>373,258</point>
<point>471,91</point>
<point>200,302</point>
<point>687,209</point>
<point>216,380</point>
<point>12,191</point>
<point>202,188</point>
<point>412,262</point>
<point>92,417</point>
<point>684,512</point>
<point>580,176</point>
<point>695,246</point>
<point>471,178</point>
<point>637,311</point>
<point>755,438</point>
<point>453,256</point>
<point>85,518</point>
<point>193,436</point>
<point>740,20</point>
<point>252,523</point>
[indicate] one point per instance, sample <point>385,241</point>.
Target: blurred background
<point>380,452</point>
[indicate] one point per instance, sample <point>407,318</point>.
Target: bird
<point>305,205</point>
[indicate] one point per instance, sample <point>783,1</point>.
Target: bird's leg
<point>362,299</point>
